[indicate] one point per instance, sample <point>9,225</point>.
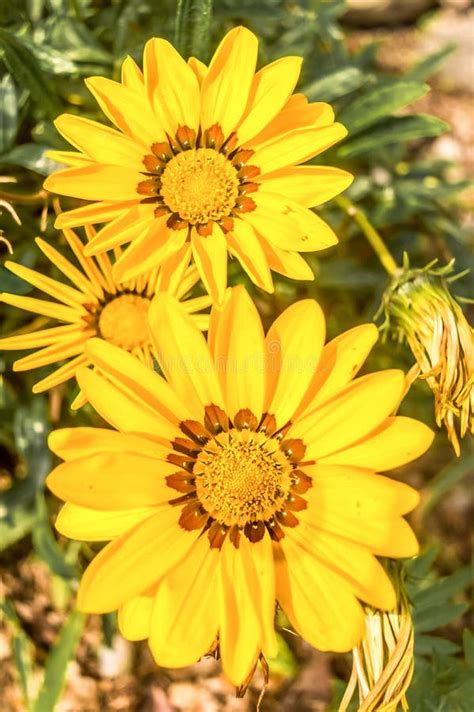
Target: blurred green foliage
<point>47,47</point>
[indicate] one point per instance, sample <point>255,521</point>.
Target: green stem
<point>370,233</point>
<point>193,27</point>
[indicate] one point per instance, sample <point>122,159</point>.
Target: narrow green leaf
<point>443,589</point>
<point>396,129</point>
<point>430,64</point>
<point>31,156</point>
<point>334,85</point>
<point>192,29</point>
<point>19,523</point>
<point>434,645</point>
<point>46,546</point>
<point>437,616</point>
<point>446,480</point>
<point>23,65</point>
<point>468,645</point>
<point>378,102</point>
<point>57,662</point>
<point>20,646</point>
<point>8,113</point>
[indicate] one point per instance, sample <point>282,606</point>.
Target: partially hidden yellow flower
<point>420,310</point>
<point>94,306</point>
<point>245,476</point>
<point>204,156</point>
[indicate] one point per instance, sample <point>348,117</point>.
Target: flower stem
<point>370,232</point>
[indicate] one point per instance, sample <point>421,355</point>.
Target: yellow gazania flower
<point>248,476</point>
<point>96,305</point>
<point>207,156</point>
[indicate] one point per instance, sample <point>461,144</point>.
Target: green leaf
<point>19,523</point>
<point>434,645</point>
<point>46,546</point>
<point>446,480</point>
<point>437,616</point>
<point>379,102</point>
<point>430,64</point>
<point>23,65</point>
<point>57,662</point>
<point>8,113</point>
<point>20,647</point>
<point>468,645</point>
<point>284,664</point>
<point>443,589</point>
<point>396,129</point>
<point>192,29</point>
<point>335,84</point>
<point>31,156</point>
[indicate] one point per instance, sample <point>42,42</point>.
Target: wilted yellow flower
<point>204,156</point>
<point>383,661</point>
<point>96,305</point>
<point>421,310</point>
<point>248,476</point>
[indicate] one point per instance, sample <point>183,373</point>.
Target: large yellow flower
<point>248,476</point>
<point>96,305</point>
<point>207,156</point>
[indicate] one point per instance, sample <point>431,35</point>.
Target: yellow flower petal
<point>351,415</point>
<point>113,481</point>
<point>357,568</point>
<point>129,225</point>
<point>69,158</point>
<point>172,86</point>
<point>199,68</point>
<point>183,355</point>
<point>90,214</point>
<point>307,185</point>
<point>320,607</point>
<point>95,182</point>
<point>132,75</point>
<point>233,65</point>
<point>73,443</point>
<point>132,563</point>
<point>44,307</point>
<point>120,408</point>
<point>269,92</point>
<point>288,225</point>
<point>60,291</point>
<point>340,361</point>
<point>129,110</point>
<point>134,618</point>
<point>210,257</point>
<point>149,250</point>
<point>130,375</point>
<point>38,338</point>
<point>296,114</point>
<point>239,632</point>
<point>397,441</point>
<point>244,244</point>
<point>86,524</point>
<point>101,143</point>
<point>185,611</point>
<point>292,357</point>
<point>296,146</point>
<point>285,262</point>
<point>55,352</point>
<point>61,374</point>
<point>240,354</point>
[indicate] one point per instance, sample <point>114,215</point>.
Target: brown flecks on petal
<point>160,210</point>
<point>205,230</point>
<point>230,144</point>
<point>153,163</point>
<point>267,424</point>
<point>234,535</point>
<point>215,419</point>
<point>194,430</point>
<point>148,187</point>
<point>193,516</point>
<point>186,137</point>
<point>274,529</point>
<point>246,188</point>
<point>287,518</point>
<point>217,534</point>
<point>247,172</point>
<point>254,531</point>
<point>186,447</point>
<point>174,222</point>
<point>301,481</point>
<point>162,151</point>
<point>241,157</point>
<point>214,137</point>
<point>245,420</point>
<point>245,204</point>
<point>183,461</point>
<point>181,482</point>
<point>294,449</point>
<point>227,223</point>
<point>295,503</point>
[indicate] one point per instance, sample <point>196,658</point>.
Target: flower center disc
<point>123,321</point>
<point>200,185</point>
<point>242,476</point>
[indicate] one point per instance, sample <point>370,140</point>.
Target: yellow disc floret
<point>242,476</point>
<point>123,321</point>
<point>200,185</point>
